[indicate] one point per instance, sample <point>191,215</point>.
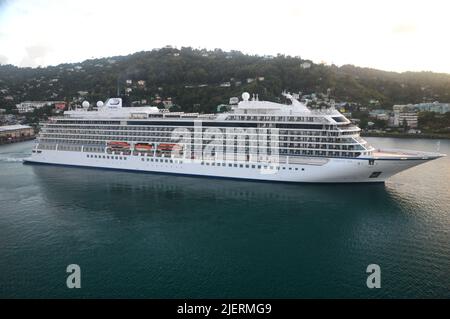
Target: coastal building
<point>379,114</point>
<point>433,107</point>
<point>405,114</point>
<point>60,106</point>
<point>15,133</point>
<point>30,106</point>
<point>305,65</point>
<point>436,107</point>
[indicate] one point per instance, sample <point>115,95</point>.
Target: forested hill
<point>209,78</point>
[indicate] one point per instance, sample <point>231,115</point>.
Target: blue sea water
<point>159,236</point>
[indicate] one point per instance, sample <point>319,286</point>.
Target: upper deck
<point>245,111</point>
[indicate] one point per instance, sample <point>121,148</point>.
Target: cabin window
<point>339,119</point>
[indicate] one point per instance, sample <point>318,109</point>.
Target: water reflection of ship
<point>76,182</point>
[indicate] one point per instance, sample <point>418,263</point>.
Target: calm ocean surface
<point>161,236</point>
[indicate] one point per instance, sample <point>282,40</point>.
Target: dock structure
<point>16,133</point>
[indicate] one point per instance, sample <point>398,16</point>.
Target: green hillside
<point>193,78</point>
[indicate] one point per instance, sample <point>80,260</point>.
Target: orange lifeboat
<point>142,147</point>
<point>169,147</point>
<point>118,145</point>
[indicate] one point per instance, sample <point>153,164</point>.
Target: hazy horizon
<point>395,36</point>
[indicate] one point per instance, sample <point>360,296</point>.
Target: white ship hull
<point>331,170</point>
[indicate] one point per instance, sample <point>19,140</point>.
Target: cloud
<point>404,28</point>
<point>348,31</point>
<point>3,59</point>
<point>36,55</point>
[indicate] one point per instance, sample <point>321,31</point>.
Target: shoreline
<point>17,140</point>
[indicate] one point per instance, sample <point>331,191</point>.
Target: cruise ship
<point>254,140</point>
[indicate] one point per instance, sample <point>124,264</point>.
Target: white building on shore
<point>30,106</point>
<point>405,114</point>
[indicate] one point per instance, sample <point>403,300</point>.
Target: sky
<point>394,35</point>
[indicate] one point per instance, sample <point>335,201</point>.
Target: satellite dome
<point>85,104</point>
<point>99,104</point>
<point>245,96</point>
